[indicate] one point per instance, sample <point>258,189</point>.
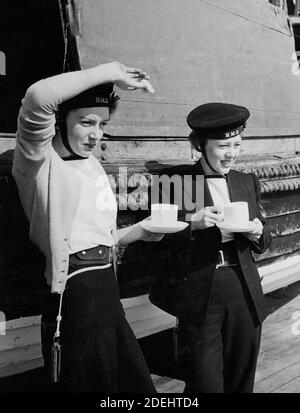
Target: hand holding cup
<point>255,233</point>
<point>207,217</point>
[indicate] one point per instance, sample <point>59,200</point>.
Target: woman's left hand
<point>137,233</point>
<point>256,232</point>
<point>145,235</point>
<point>131,78</point>
<point>150,236</point>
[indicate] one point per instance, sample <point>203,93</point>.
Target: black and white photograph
<point>149,199</point>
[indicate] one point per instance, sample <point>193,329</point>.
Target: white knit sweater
<point>48,187</point>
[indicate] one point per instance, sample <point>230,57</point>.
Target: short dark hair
<point>198,142</point>
<point>113,104</point>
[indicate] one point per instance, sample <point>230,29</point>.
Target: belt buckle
<point>222,264</point>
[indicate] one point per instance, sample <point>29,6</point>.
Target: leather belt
<point>227,256</point>
<point>100,255</point>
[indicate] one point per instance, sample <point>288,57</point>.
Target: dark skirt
<point>99,350</point>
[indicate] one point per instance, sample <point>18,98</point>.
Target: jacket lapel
<point>208,201</point>
<point>237,190</point>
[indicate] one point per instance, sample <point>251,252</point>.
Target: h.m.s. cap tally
<point>218,120</point>
<point>98,96</point>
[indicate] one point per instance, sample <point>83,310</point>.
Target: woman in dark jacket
<point>216,291</point>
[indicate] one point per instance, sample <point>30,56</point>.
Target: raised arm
<point>67,85</point>
<point>36,122</point>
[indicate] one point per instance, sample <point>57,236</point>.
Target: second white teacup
<point>236,214</point>
<point>164,214</point>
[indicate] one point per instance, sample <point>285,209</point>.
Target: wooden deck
<point>278,369</point>
<point>279,360</point>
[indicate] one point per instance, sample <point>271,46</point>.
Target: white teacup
<point>236,214</point>
<point>164,215</point>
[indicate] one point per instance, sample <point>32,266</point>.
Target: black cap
<point>218,120</point>
<point>98,96</point>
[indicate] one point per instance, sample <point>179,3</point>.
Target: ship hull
<point>196,52</point>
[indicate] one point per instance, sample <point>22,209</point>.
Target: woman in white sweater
<point>72,213</point>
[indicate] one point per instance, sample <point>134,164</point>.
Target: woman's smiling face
<point>222,153</point>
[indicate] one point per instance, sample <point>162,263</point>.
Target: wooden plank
<point>20,337</point>
<point>143,312</point>
<point>23,322</point>
<point>280,274</point>
<point>278,354</point>
<point>276,381</point>
<point>158,149</point>
<point>145,328</point>
<point>128,303</point>
<point>18,368</point>
<point>292,387</point>
<point>18,356</point>
<point>280,320</point>
<point>145,318</point>
<point>278,339</point>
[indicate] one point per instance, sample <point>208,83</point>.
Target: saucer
<point>236,228</point>
<point>162,229</point>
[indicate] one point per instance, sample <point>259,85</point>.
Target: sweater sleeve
<point>36,126</point>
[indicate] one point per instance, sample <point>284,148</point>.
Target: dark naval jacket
<point>184,288</point>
